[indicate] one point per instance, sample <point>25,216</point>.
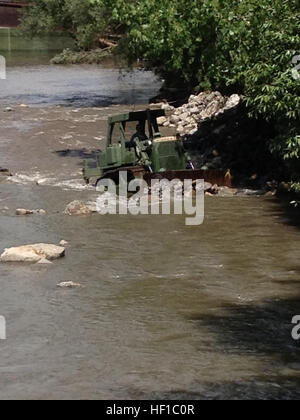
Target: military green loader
<point>146,154</point>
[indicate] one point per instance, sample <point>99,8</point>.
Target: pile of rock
<point>200,108</point>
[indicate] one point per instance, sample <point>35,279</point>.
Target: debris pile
<point>219,134</point>
<point>200,108</point>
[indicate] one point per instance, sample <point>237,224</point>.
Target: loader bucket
<point>214,177</point>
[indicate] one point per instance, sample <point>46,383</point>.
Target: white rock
<point>201,96</point>
<point>233,101</point>
<point>194,110</point>
<point>161,120</point>
<point>204,115</point>
<point>23,212</point>
<point>167,107</point>
<point>188,129</point>
<point>174,119</point>
<point>32,253</point>
<point>68,285</point>
<point>180,130</point>
<point>92,205</point>
<point>212,108</point>
<point>193,131</point>
<point>77,208</point>
<point>44,261</point>
<point>184,116</point>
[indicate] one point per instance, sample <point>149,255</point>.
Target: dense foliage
<point>245,46</point>
<point>83,20</point>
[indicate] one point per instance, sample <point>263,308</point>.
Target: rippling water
<point>77,86</point>
<point>166,310</point>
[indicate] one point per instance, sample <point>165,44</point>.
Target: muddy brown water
<point>165,311</point>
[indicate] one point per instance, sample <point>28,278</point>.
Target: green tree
<point>83,20</point>
<point>243,46</point>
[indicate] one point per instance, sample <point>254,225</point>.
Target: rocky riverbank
<point>219,134</point>
<point>199,109</point>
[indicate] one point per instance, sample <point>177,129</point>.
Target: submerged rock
<point>227,192</point>
<point>69,285</point>
<point>33,253</point>
<point>5,172</point>
<point>77,208</point>
<point>25,212</point>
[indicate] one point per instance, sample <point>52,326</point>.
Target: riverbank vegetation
<point>94,56</point>
<point>233,46</point>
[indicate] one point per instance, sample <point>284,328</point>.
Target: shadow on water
<point>256,329</point>
<point>290,214</point>
<point>94,101</point>
<point>77,153</point>
<point>256,389</point>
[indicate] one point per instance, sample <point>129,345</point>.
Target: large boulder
<point>33,253</point>
<point>77,208</point>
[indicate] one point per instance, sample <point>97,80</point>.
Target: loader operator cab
<point>140,135</point>
<point>146,149</point>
